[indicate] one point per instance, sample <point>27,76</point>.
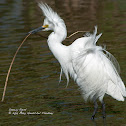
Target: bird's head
<point>47,25</point>
<point>52,20</point>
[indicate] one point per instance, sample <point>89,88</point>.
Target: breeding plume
<point>93,68</point>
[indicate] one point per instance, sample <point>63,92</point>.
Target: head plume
<point>52,16</point>
<point>54,21</point>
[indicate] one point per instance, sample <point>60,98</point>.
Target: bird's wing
<point>113,60</point>
<point>95,69</point>
<point>89,68</point>
<point>96,75</point>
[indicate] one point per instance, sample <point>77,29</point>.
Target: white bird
<point>94,69</point>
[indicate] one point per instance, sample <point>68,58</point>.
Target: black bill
<point>36,30</point>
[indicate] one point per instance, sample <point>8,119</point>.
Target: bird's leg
<point>95,109</point>
<point>103,109</point>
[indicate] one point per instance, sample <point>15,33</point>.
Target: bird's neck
<point>57,36</point>
<point>55,43</point>
<point>60,51</point>
<point>60,32</point>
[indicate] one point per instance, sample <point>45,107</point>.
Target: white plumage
<point>93,68</point>
<point>95,72</point>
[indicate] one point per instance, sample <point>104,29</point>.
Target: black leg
<point>95,110</point>
<point>103,110</point>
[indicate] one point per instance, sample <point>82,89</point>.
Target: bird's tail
<point>116,91</point>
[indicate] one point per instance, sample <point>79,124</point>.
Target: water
<point>33,82</point>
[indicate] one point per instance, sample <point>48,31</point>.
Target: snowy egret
<point>94,69</point>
